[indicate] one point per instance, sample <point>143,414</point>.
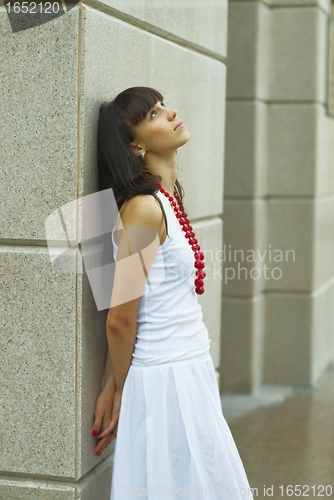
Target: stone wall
<point>54,77</point>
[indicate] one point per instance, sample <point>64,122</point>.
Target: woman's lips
<point>179,125</point>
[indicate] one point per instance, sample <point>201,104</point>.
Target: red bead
<point>182,221</point>
<point>199,290</point>
<point>200,273</point>
<point>195,240</point>
<point>199,282</point>
<point>196,248</point>
<point>184,228</point>
<point>188,235</point>
<point>190,227</point>
<point>199,264</point>
<point>178,215</point>
<point>200,255</point>
<point>185,215</point>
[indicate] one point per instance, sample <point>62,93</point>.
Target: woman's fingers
<point>106,416</point>
<point>97,422</point>
<point>114,416</point>
<point>102,413</point>
<point>104,442</point>
<point>109,428</point>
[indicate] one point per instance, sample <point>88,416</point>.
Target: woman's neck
<point>166,167</point>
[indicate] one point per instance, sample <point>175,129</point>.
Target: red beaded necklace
<point>184,222</point>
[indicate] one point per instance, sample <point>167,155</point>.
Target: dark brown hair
<point>118,166</point>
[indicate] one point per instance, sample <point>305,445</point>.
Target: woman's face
<point>160,132</point>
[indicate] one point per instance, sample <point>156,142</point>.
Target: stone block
<point>246,149</point>
<point>287,344</point>
<point>38,388</point>
<point>39,111</point>
<point>291,235</point>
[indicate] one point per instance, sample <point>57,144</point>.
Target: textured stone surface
<point>291,235</point>
<point>322,329</point>
<point>246,160</point>
<point>38,123</point>
<point>195,21</point>
<point>324,4</point>
<point>241,55</point>
<point>96,485</point>
<point>323,267</point>
<point>38,342</point>
<point>11,489</point>
<point>249,50</point>
<point>287,344</point>
<point>245,247</point>
<point>134,9</point>
<point>203,23</point>
<point>298,49</point>
<point>292,149</point>
<point>241,339</point>
<point>324,153</point>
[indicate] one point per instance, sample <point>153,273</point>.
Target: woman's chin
<point>185,138</point>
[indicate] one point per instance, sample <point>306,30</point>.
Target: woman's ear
<point>138,150</point>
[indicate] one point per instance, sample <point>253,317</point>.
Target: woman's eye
<point>153,113</point>
<point>163,104</point>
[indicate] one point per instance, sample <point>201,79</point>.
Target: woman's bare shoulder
<point>142,209</point>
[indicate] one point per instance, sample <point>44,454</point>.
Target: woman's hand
<point>111,428</point>
<point>103,412</point>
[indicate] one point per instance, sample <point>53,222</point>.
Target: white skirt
<point>172,439</point>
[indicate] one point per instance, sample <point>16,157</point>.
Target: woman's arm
<point>108,378</point>
<point>103,407</point>
<point>141,215</point>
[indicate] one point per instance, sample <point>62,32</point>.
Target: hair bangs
<point>136,102</point>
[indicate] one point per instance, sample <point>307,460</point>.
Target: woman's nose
<point>172,114</point>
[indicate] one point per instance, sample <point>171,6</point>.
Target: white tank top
<point>170,325</point>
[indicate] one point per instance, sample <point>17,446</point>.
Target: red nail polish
<point>101,437</point>
<point>94,433</point>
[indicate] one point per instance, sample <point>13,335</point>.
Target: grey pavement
<point>285,437</point>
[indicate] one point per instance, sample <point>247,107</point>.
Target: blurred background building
<point>251,81</point>
<point>278,323</point>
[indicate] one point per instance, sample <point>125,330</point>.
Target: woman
<point>160,393</point>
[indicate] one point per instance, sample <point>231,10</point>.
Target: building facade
<point>278,321</point>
